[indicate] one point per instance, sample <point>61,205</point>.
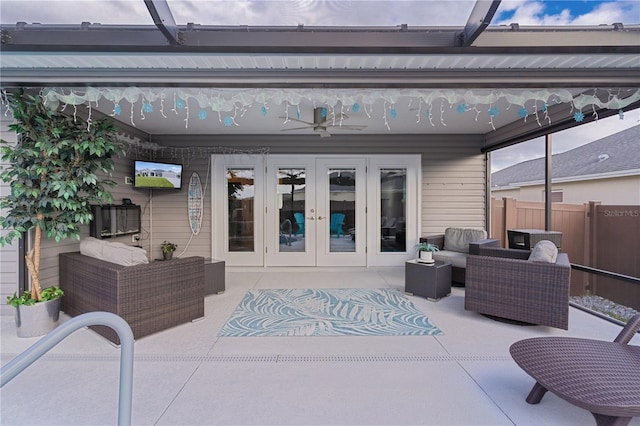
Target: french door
<point>303,210</point>
<point>315,209</point>
<point>237,201</point>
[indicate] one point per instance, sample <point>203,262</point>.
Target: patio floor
<point>189,376</point>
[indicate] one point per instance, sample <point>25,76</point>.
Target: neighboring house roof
<point>613,154</point>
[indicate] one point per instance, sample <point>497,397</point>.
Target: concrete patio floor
<point>189,376</point>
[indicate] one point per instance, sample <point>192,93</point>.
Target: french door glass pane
<point>291,209</point>
<point>342,208</point>
<point>393,191</point>
<point>241,192</point>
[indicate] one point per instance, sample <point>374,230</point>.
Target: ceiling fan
<point>323,121</point>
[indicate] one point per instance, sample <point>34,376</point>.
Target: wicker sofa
<point>455,245</point>
<point>151,296</point>
<point>505,284</point>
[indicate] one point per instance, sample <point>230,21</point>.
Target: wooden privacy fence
<point>602,237</point>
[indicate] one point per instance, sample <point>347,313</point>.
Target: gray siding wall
<point>453,190</point>
<point>453,178</point>
<point>169,214</point>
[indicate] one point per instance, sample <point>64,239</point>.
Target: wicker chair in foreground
<point>504,283</point>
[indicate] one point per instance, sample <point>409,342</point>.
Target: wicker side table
<point>432,281</point>
<point>214,276</point>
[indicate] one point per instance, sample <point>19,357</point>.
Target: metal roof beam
<point>479,19</point>
<point>163,18</point>
<point>118,38</point>
<point>487,78</point>
<point>99,38</point>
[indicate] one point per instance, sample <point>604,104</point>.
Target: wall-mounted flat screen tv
<point>151,174</point>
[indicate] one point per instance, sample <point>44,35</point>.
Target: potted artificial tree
<point>54,176</point>
<point>425,252</point>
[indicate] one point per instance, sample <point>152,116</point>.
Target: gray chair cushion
<point>456,259</point>
<point>458,239</point>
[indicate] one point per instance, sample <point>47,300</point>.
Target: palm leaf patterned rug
<point>327,312</point>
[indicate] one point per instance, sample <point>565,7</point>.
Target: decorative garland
<point>230,105</point>
<point>152,151</point>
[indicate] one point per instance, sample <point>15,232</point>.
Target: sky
<point>323,12</point>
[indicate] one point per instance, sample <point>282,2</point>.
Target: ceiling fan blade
<point>296,120</point>
<point>333,120</point>
<point>347,127</point>
<point>298,128</point>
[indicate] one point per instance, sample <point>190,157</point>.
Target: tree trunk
<point>33,262</point>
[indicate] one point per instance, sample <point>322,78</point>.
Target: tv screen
<point>151,174</point>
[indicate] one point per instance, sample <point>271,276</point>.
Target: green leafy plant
<point>168,247</point>
<point>49,293</point>
<point>54,173</point>
<point>427,247</point>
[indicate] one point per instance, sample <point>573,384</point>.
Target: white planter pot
<point>425,256</point>
<point>37,320</point>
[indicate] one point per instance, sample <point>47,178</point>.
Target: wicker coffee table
<point>599,376</point>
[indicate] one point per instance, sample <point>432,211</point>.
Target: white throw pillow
<point>92,247</point>
<point>544,251</point>
<point>123,254</point>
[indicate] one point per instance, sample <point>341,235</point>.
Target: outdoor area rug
<point>327,312</point>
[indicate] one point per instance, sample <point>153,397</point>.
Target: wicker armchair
<point>503,283</point>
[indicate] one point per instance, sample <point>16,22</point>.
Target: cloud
<point>627,12</point>
<point>324,13</point>
<point>320,13</point>
<point>243,12</point>
<point>533,12</point>
<point>126,12</point>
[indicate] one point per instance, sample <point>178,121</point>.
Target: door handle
<point>320,217</point>
<point>311,218</point>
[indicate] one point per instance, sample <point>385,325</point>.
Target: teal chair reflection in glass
<point>335,226</point>
<point>299,217</point>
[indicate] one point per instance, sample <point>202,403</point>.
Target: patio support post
<point>23,284</point>
<point>488,208</point>
<point>548,175</point>
<point>510,218</point>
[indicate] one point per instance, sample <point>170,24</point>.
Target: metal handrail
<point>604,273</point>
<point>33,353</point>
